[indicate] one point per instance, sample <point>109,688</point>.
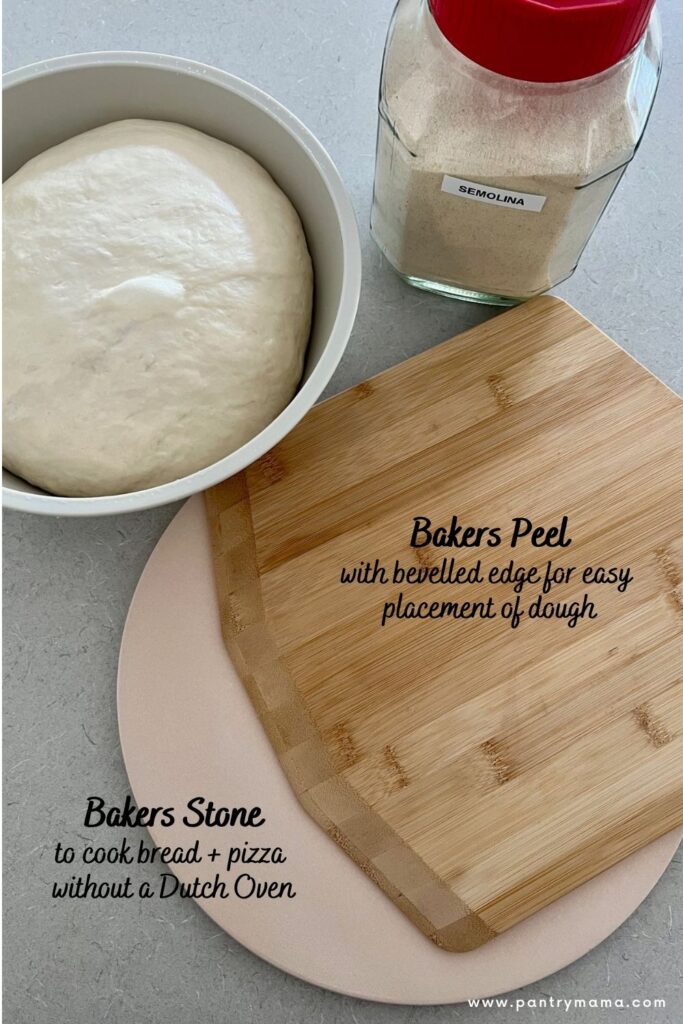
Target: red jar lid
<point>543,40</point>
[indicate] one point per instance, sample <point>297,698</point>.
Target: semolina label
<point>492,194</point>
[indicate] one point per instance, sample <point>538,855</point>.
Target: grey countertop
<point>68,583</point>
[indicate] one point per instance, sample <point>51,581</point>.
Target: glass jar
<point>488,185</point>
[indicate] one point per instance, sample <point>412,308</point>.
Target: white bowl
<point>51,101</point>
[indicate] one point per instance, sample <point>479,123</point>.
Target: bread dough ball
<point>158,303</point>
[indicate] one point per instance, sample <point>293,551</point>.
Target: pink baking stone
<point>188,729</point>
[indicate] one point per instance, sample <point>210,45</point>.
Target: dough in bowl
<point>158,293</point>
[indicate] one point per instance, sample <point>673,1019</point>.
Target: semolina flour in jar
<point>442,115</point>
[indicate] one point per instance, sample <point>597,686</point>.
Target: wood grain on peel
<point>498,761</point>
<point>474,773</point>
<point>271,468</point>
<point>500,393</point>
<point>364,389</point>
<point>673,577</point>
<point>423,557</point>
<point>656,732</point>
<point>345,746</point>
<point>397,773</point>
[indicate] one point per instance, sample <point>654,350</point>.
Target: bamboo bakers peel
<point>476,772</point>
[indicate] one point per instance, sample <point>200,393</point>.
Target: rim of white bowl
<point>310,391</point>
